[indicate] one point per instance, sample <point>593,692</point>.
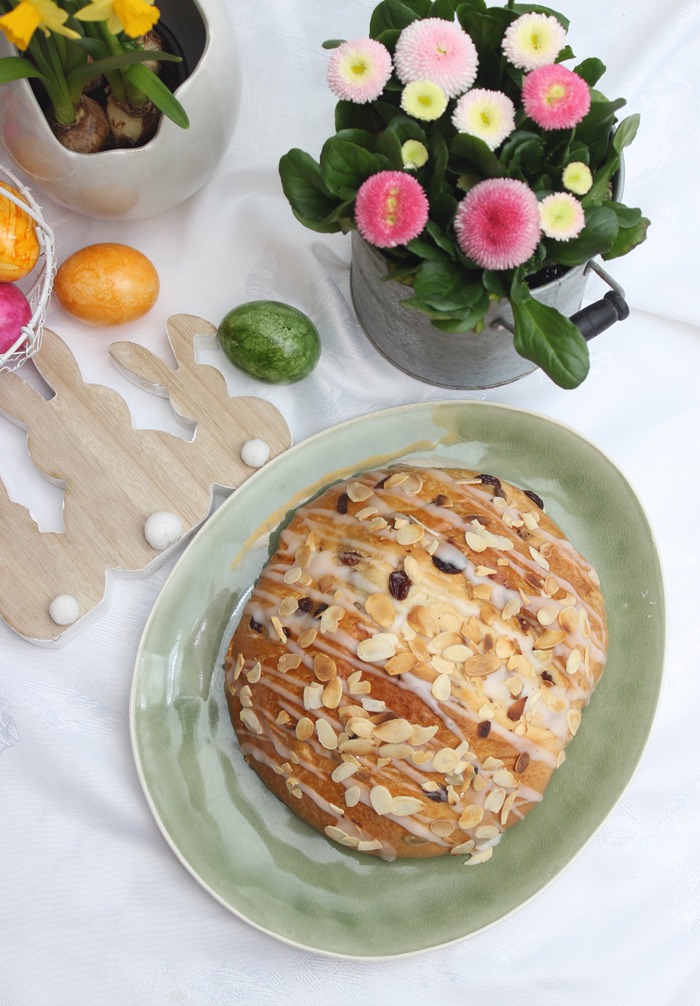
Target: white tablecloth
<point>95,908</point>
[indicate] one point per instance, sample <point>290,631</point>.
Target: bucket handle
<point>600,315</point>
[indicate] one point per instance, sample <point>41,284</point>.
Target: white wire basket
<point>37,285</point>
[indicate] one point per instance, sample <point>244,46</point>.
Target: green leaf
<point>439,158</point>
<point>525,8</point>
<point>440,238</point>
<point>444,9</point>
<point>332,43</point>
<point>16,68</point>
<point>406,128</point>
<point>625,132</point>
<point>345,166</point>
<point>466,321</point>
<point>350,115</point>
<point>469,154</point>
<point>444,286</point>
<point>390,15</point>
<point>389,145</point>
<point>591,70</point>
<point>627,239</point>
<point>161,96</point>
<point>311,202</point>
<point>552,341</point>
<point>596,238</point>
<point>627,216</point>
<point>427,250</point>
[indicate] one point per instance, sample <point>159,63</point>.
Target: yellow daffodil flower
<point>20,24</point>
<point>134,17</point>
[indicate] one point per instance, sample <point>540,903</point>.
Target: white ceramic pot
<point>148,180</point>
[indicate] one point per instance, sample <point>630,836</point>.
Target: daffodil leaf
<point>161,96</point>
<point>311,202</point>
<point>552,341</point>
<point>16,68</point>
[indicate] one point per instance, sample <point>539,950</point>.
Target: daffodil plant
<point>67,48</point>
<point>476,161</point>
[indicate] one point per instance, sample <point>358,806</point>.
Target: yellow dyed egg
<point>107,284</point>
<point>19,245</point>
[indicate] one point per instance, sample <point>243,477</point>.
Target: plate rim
<point>453,405</point>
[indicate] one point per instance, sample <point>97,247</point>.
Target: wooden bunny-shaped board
<point>114,476</point>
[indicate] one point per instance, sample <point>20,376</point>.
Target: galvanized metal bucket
<point>467,361</point>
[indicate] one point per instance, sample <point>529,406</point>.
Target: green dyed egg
<point>270,340</point>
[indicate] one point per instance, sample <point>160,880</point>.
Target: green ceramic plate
<point>240,842</point>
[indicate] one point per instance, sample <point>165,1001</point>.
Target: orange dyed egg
<point>107,284</point>
<point>19,245</point>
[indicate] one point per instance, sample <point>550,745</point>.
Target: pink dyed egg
<point>15,311</point>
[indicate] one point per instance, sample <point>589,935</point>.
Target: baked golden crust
<point>414,659</point>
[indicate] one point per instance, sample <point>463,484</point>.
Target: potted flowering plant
<point>100,49</point>
<point>477,172</point>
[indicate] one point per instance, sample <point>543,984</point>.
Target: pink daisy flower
<point>359,69</point>
<point>490,115</point>
<point>533,40</point>
<point>498,223</point>
<point>554,97</point>
<point>437,50</point>
<point>391,208</point>
<point>562,216</point>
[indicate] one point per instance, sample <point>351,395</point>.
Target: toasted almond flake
<point>400,663</point>
<point>493,801</point>
<point>413,484</point>
<point>549,639</point>
<point>392,751</point>
<point>288,662</point>
<point>561,758</point>
<point>550,586</point>
<point>421,757</point>
<point>377,524</point>
<point>324,667</point>
<point>326,735</point>
<point>331,618</point>
<point>595,579</point>
<point>573,662</point>
<point>283,718</point>
<point>306,638</point>
<point>302,556</point>
<point>356,746</point>
<point>279,629</point>
<point>514,685</point>
<point>505,778</point>
<point>292,574</point>
<point>276,769</point>
<point>507,807</point>
<point>397,479</point>
<point>412,569</point>
<point>339,835</point>
<point>325,584</point>
<point>404,806</point>
<point>344,771</point>
<point>422,620</point>
<point>538,557</point>
<point>487,831</point>
<point>491,764</point>
<point>471,816</point>
<point>419,649</point>
<point>352,796</point>
<point>505,648</point>
<point>479,857</point>
<point>488,614</point>
<point>381,799</point>
<point>442,687</point>
<point>237,667</point>
<point>444,760</point>
<point>394,731</point>
<point>313,696</point>
<point>246,696</point>
<point>481,665</point>
<point>380,646</point>
<point>478,783</point>
<point>336,809</point>
<point>251,721</point>
<point>369,845</point>
<point>421,735</point>
<point>286,767</point>
<point>485,571</point>
<point>475,541</point>
<point>455,650</point>
<point>584,623</point>
<point>410,534</point>
<point>358,492</point>
<point>360,727</point>
<point>381,609</point>
<point>443,829</point>
<point>288,606</point>
<point>304,729</point>
<point>366,512</point>
<point>573,720</point>
<point>486,712</point>
<point>442,666</point>
<point>462,848</point>
<point>373,705</point>
<point>332,694</point>
<point>361,688</point>
<point>547,614</point>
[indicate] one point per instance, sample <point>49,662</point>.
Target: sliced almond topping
<point>324,667</point>
<point>251,721</point>
<point>511,608</point>
<point>401,663</point>
<point>304,728</point>
<point>421,757</point>
<point>394,731</point>
<point>549,639</point>
<point>475,541</point>
<point>380,608</point>
<point>538,557</point>
<point>514,685</point>
<point>397,479</point>
<point>505,778</point>
<point>573,720</point>
<point>412,569</point>
<point>352,796</point>
<point>288,662</point>
<point>366,512</point>
<point>404,806</point>
<point>445,760</point>
<point>283,718</point>
<point>326,735</point>
<point>381,799</point>
<point>377,524</point>
<point>421,735</point>
<point>422,620</point>
<point>522,762</point>
<point>551,586</point>
<point>341,836</point>
<point>479,857</point>
<point>505,648</point>
<point>568,619</point>
<point>419,649</point>
<point>306,638</point>
<point>246,696</point>
<point>358,492</point>
<point>516,710</point>
<point>481,664</point>
<point>255,673</point>
<point>443,829</point>
<point>457,653</point>
<point>333,693</point>
<point>393,751</point>
<point>462,848</point>
<point>331,617</point>
<point>288,606</point>
<point>478,783</point>
<point>325,584</point>
<point>279,629</point>
<point>292,574</point>
<point>302,556</point>
<point>584,623</point>
<point>356,746</point>
<point>493,801</point>
<point>507,807</point>
<point>491,764</point>
<point>487,831</point>
<point>313,696</point>
<point>442,687</point>
<point>561,758</point>
<point>381,646</point>
<point>471,816</point>
<point>345,770</point>
<point>360,727</point>
<point>547,614</point>
<point>413,484</point>
<point>573,662</point>
<point>409,534</point>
